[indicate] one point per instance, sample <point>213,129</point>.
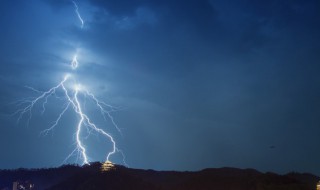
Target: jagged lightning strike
<point>78,14</point>
<point>71,95</point>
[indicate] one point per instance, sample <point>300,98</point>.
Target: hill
<point>90,177</point>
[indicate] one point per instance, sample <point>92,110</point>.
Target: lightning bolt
<point>72,101</point>
<point>78,14</point>
<point>74,62</point>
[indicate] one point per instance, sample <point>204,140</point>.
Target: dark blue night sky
<point>200,83</point>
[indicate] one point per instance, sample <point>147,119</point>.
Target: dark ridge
<point>90,177</point>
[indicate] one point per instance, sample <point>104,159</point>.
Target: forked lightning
<point>72,90</point>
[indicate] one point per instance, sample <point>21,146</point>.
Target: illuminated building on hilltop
<point>23,185</point>
<point>107,166</point>
<point>318,185</point>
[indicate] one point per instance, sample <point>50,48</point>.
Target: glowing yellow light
<point>107,166</point>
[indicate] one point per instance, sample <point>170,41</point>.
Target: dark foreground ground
<point>122,178</point>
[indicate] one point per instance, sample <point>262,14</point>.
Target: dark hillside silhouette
<point>121,178</point>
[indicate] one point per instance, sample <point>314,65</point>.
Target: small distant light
<point>107,166</point>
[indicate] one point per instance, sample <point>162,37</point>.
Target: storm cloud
<point>208,83</point>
